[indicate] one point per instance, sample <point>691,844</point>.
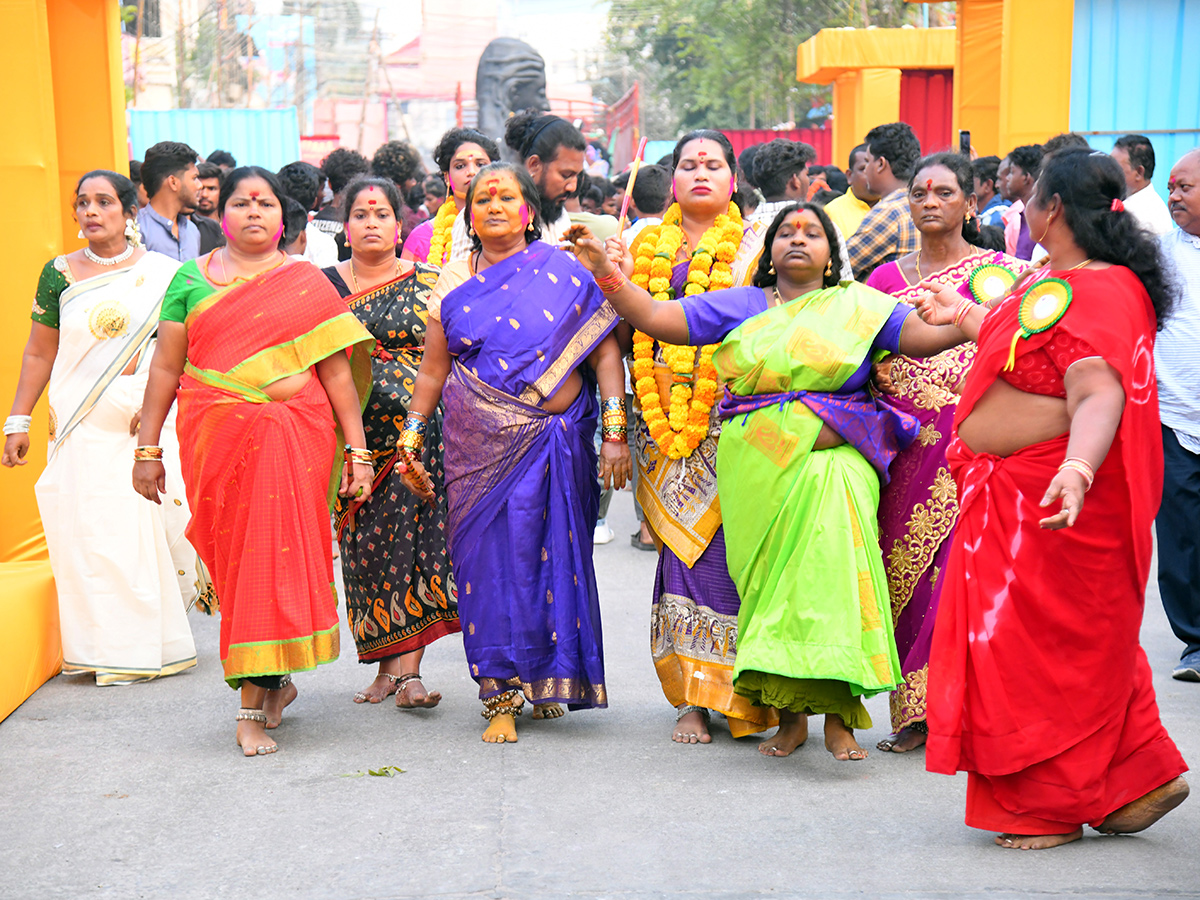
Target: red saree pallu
<point>1037,684</point>
<point>259,472</point>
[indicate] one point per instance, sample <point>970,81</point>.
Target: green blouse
<point>55,278</point>
<point>187,288</point>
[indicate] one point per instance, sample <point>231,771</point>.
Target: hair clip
<point>1117,205</point>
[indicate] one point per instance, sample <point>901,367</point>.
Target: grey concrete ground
<point>140,792</point>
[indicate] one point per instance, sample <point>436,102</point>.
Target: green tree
<point>727,63</point>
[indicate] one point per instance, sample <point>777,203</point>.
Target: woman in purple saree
<point>508,329</point>
<point>919,507</point>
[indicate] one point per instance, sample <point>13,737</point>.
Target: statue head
<point>511,77</point>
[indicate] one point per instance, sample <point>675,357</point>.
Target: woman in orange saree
<point>1038,687</point>
<point>243,333</point>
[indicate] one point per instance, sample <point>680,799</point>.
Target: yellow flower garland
<point>680,429</point>
<point>443,227</point>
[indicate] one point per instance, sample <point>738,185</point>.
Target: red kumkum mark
<point>928,183</point>
<point>254,195</point>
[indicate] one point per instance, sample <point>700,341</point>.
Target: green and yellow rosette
<point>990,282</point>
<point>1042,305</point>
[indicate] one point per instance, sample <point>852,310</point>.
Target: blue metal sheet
<point>264,137</point>
<point>1135,69</point>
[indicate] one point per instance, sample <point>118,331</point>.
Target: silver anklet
<point>252,715</point>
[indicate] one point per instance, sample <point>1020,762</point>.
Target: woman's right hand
<point>150,479</point>
<point>588,250</point>
<point>619,255</point>
<point>415,478</point>
<point>15,448</point>
<point>940,304</point>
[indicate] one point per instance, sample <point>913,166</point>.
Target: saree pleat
<point>400,589</point>
<point>521,482</point>
<point>258,471</point>
<point>123,570</point>
<point>1037,684</point>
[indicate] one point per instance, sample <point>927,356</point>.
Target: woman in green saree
<point>802,454</point>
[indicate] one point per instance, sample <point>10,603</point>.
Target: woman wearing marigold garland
<point>255,343</point>
<point>1038,687</point>
<point>802,454</point>
<point>918,508</point>
<point>701,245</point>
<point>460,154</point>
<point>400,594</point>
<point>511,333</point>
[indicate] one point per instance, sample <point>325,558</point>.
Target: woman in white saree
<point>125,573</point>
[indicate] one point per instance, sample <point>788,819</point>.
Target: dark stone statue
<point>511,77</point>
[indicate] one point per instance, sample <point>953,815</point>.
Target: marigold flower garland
<point>680,429</point>
<point>443,227</point>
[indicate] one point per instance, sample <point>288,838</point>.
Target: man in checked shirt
<point>887,231</point>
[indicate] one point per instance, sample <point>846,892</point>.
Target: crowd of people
<point>860,411</point>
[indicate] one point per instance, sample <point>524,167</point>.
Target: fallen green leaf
<point>384,772</point>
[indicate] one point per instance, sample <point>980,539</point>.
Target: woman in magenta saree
<point>919,507</point>
<point>508,329</point>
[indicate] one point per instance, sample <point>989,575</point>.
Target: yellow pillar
<point>1035,71</point>
<point>862,99</point>
<point>978,53</point>
<point>89,93</point>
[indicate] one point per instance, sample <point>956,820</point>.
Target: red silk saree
<point>259,472</point>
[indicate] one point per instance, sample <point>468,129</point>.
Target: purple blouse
<point>711,316</point>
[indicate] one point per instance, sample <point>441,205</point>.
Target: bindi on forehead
<point>928,183</point>
<point>254,195</point>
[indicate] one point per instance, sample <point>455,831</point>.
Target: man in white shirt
<point>650,200</point>
<point>781,173</point>
<point>1135,155</point>
<point>1175,359</point>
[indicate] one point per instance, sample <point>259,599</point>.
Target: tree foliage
<point>728,63</point>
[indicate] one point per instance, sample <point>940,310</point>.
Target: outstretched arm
<point>149,476</point>
<point>40,352</point>
<point>664,321</point>
<point>616,466</point>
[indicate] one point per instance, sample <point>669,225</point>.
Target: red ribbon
<point>1117,205</point>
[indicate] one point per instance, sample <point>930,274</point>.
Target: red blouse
<point>1042,371</point>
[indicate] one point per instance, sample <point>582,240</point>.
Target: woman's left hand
<point>1069,486</point>
<point>940,304</point>
<point>356,481</point>
<point>588,249</point>
<point>616,465</point>
<point>881,375</point>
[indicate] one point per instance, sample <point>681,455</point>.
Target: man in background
<point>172,180</point>
<point>781,174</point>
<point>1024,166</point>
<point>1135,155</point>
<point>988,201</point>
<point>887,232</point>
<point>204,216</point>
<point>848,210</point>
<point>650,199</point>
<point>223,159</point>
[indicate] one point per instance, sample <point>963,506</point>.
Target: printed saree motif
<point>259,472</point>
<point>919,507</point>
<point>801,541</point>
<point>1038,686</point>
<point>520,481</point>
<point>123,569</point>
<point>400,591</point>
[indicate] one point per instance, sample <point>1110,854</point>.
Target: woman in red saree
<point>1038,686</point>
<point>244,331</point>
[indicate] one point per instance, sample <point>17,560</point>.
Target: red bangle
<point>612,283</point>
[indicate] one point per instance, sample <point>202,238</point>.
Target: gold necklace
<point>237,278</point>
<point>354,278</point>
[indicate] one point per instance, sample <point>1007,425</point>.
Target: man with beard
<point>552,150</point>
<point>204,216</point>
<point>171,179</point>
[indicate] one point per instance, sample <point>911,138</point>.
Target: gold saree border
<point>586,337</point>
<point>279,657</point>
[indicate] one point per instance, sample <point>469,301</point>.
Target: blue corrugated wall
<point>1136,68</point>
<point>262,137</point>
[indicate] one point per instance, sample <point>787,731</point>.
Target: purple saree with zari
<point>520,481</point>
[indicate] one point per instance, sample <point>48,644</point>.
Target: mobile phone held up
<point>964,143</point>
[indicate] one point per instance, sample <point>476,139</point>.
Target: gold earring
<point>770,268</point>
<point>829,267</point>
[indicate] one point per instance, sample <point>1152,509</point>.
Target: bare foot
<point>382,687</point>
<point>1140,814</point>
<point>1037,841</point>
<point>793,731</point>
<point>253,739</point>
<point>501,730</point>
<point>277,701</point>
<point>548,711</point>
<point>692,728</point>
<point>839,740</point>
<point>907,738</point>
<point>412,694</point>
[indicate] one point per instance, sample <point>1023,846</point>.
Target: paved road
<point>140,792</point>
